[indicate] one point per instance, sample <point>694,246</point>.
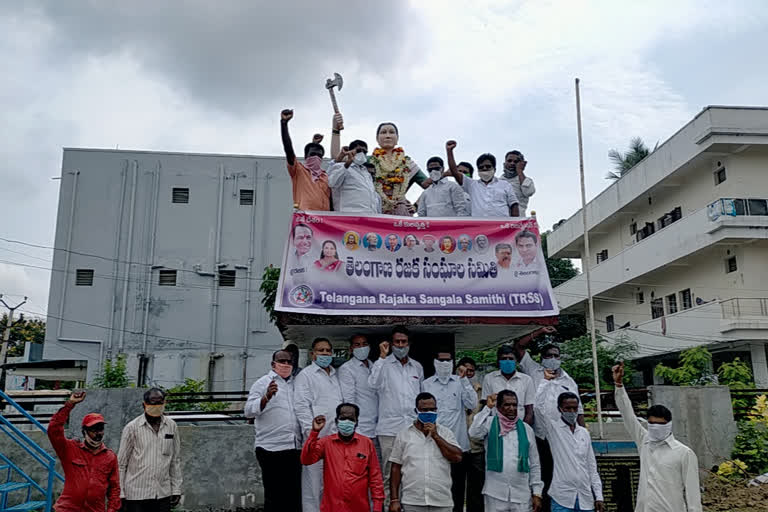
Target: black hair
<point>549,346</point>
<point>435,159</point>
<point>526,234</point>
<point>566,396</point>
<point>444,350</point>
<point>464,360</point>
<point>514,152</point>
<point>314,145</point>
<point>504,350</point>
<point>151,391</point>
<point>347,404</point>
<point>502,246</point>
<point>322,248</point>
<point>357,142</point>
<point>400,329</point>
<point>320,340</point>
<point>468,166</point>
<point>424,396</point>
<point>382,125</point>
<point>502,394</point>
<point>274,354</point>
<point>300,225</point>
<point>486,156</point>
<point>660,412</point>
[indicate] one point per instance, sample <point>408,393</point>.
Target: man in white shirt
<point>355,389</point>
<point>467,170</point>
<point>443,198</point>
<point>669,470</point>
<point>351,183</point>
<point>490,196</point>
<point>576,485</point>
<point>421,461</point>
<point>397,379</point>
<point>507,377</point>
<point>454,394</point>
<point>270,404</point>
<point>514,173</point>
<point>316,392</point>
<point>512,477</point>
<point>527,246</point>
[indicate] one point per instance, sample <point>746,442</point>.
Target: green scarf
<point>494,455</point>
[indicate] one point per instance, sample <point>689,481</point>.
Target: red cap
<point>92,419</point>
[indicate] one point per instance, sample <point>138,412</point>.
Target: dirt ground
<point>722,496</point>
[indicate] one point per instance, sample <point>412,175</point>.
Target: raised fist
<point>77,397</point>
<point>490,401</point>
<point>618,374</point>
<point>318,423</point>
<point>461,371</point>
<point>338,122</point>
<point>317,138</point>
<point>286,115</point>
<point>450,145</point>
<point>383,349</point>
<point>548,330</point>
<point>271,389</point>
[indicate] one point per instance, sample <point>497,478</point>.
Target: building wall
<point>122,207</point>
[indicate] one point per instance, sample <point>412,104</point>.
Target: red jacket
<point>89,478</point>
<point>350,470</point>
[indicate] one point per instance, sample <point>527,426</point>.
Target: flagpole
<point>585,265</point>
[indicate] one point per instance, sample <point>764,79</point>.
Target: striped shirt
<point>150,462</point>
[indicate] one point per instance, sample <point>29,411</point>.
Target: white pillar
<point>759,365</point>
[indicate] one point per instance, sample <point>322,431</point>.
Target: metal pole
<point>7,336</point>
<point>585,264</point>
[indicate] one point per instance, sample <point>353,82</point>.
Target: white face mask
<point>360,158</point>
<point>435,175</point>
<point>658,432</point>
<point>551,363</point>
<point>361,353</point>
<point>443,369</point>
<point>486,175</point>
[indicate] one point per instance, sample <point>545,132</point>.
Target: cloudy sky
<point>495,75</point>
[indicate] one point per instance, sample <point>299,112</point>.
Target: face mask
<point>313,163</point>
<point>283,369</point>
<point>324,361</point>
<point>427,417</point>
<point>658,433</point>
<point>507,366</point>
<point>510,173</point>
<point>346,427</point>
<point>435,175</point>
<point>486,175</point>
<point>551,363</point>
<point>91,443</point>
<point>569,417</point>
<point>401,352</point>
<point>443,369</point>
<point>360,158</point>
<point>361,353</point>
<point>154,410</point>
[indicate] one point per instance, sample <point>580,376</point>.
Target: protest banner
<point>341,264</point>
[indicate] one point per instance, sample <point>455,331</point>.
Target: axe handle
<point>333,100</point>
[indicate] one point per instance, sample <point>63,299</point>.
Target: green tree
<point>622,163</point>
<point>577,359</point>
<point>23,330</point>
<point>192,386</point>
<point>113,374</point>
<point>269,281</point>
<point>694,368</point>
<point>560,270</point>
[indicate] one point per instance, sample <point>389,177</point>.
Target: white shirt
<point>669,470</point>
<point>510,485</point>
<point>547,391</point>
<point>397,386</point>
<point>353,378</point>
<point>352,189</point>
<point>426,480</point>
<point>520,383</point>
<point>468,199</point>
<point>276,427</point>
<point>523,191</point>
<point>443,199</point>
<point>575,468</point>
<point>454,397</point>
<point>490,200</point>
<point>316,392</point>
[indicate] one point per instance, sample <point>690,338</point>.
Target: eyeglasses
<point>283,361</point>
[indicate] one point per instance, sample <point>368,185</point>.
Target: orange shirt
<point>308,194</point>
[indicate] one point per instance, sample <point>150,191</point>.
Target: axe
<point>330,84</point>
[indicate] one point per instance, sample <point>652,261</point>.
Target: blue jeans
<point>556,507</point>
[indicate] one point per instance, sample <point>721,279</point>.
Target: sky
<point>494,75</point>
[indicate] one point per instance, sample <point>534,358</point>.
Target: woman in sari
<point>329,258</point>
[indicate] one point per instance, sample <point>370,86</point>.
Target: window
<point>167,278</point>
<point>657,308</point>
<point>639,298</point>
<point>730,265</point>
<point>648,230</point>
<point>180,196</point>
<point>602,255</point>
<point>84,277</point>
<point>672,304</point>
<point>685,299</point>
<point>227,277</point>
<point>610,326</point>
<point>633,228</point>
<point>758,206</point>
<point>670,217</point>
<point>720,175</point>
<point>246,197</point>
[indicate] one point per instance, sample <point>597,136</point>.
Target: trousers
<point>494,505</point>
<point>159,505</point>
<point>475,482</point>
<point>281,476</point>
<point>385,444</point>
<point>312,487</point>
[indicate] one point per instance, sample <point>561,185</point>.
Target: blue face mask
<point>508,366</point>
<point>324,361</point>
<point>346,427</point>
<point>427,417</point>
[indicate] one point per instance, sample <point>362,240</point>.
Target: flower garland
<point>392,175</point>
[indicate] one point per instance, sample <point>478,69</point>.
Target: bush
<point>732,469</point>
<point>269,281</point>
<point>694,369</point>
<point>192,386</point>
<point>751,445</point>
<point>114,374</point>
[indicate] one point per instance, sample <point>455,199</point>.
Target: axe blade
<point>339,81</point>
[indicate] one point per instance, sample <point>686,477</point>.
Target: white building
<point>679,245</point>
<point>159,256</point>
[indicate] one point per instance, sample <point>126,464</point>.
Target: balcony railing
<point>744,307</point>
<point>736,207</point>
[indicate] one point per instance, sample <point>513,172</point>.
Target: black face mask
<point>95,441</point>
